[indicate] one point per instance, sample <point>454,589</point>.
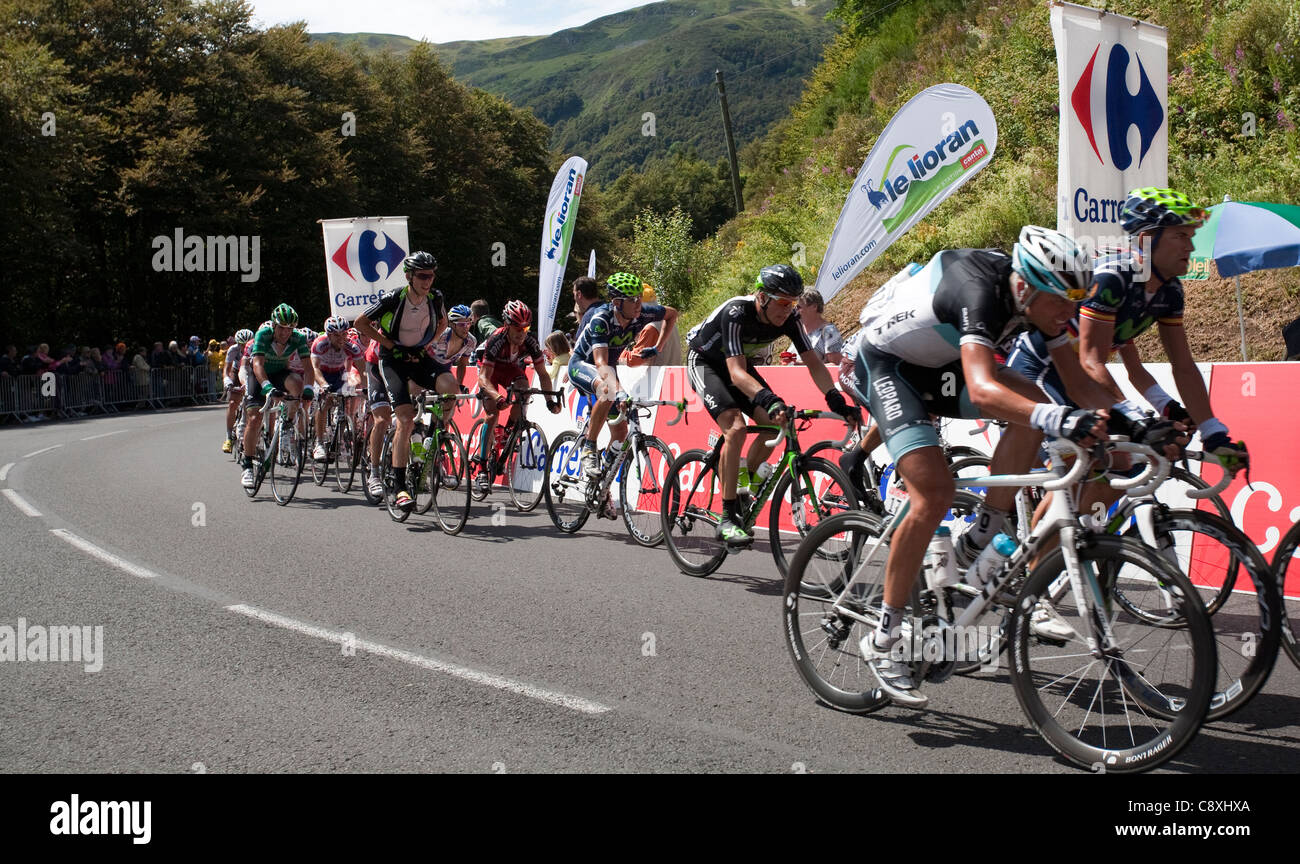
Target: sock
<point>853,460</point>
<point>988,522</point>
<point>729,510</point>
<point>889,631</point>
<point>399,475</point>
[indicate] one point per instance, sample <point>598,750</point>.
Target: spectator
<point>140,367</point>
<point>177,355</point>
<point>194,355</point>
<point>557,346</point>
<point>216,357</point>
<point>10,364</point>
<point>45,363</point>
<point>109,359</point>
<point>823,336</point>
<point>160,358</point>
<point>68,363</point>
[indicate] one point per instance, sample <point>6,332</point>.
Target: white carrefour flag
<point>1114,83</point>
<point>936,142</point>
<point>363,261</point>
<point>557,235</point>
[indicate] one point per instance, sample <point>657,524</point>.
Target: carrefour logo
<point>928,173</point>
<point>558,220</point>
<point>367,257</point>
<point>1123,109</point>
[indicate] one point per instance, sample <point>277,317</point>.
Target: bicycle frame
<point>635,436</point>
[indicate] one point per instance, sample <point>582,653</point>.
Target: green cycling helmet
<point>1154,207</point>
<point>623,286</point>
<point>284,315</point>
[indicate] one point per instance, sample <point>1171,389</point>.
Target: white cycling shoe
<point>249,480</point>
<point>318,454</point>
<point>1047,623</point>
<point>894,676</point>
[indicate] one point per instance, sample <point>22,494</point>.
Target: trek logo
<point>928,173</point>
<point>559,226</point>
<point>1123,109</point>
<point>898,318</point>
<point>368,257</point>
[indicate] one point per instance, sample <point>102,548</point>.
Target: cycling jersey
<point>961,296</point>
<point>439,349</point>
<point>499,350</point>
<point>274,358</point>
<point>734,330</point>
<point>387,315</point>
<point>334,360</point>
<point>602,330</point>
<point>1121,300</point>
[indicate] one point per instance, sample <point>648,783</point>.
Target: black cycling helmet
<point>781,280</point>
<point>419,261</point>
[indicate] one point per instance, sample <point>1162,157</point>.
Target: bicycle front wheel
<point>286,471</point>
<point>814,490</point>
<point>386,471</point>
<point>566,500</point>
<point>691,513</point>
<point>640,490</point>
<point>451,484</point>
<point>319,470</point>
<point>345,451</point>
<point>1283,570</point>
<point>526,467</point>
<point>1136,704</point>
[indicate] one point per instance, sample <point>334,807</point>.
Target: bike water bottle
<point>759,477</point>
<point>940,564</point>
<point>990,561</point>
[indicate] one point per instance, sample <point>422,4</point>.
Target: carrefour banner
<point>1114,128</point>
<point>363,261</point>
<point>557,235</point>
<point>936,142</point>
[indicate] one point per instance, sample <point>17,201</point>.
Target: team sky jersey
<point>1121,301</point>
<point>499,350</point>
<point>734,330</point>
<point>602,330</point>
<point>334,360</point>
<point>276,360</point>
<point>961,296</point>
<point>386,314</point>
<point>438,349</point>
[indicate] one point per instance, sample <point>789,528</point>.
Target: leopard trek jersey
<point>276,360</point>
<point>439,349</point>
<point>499,350</point>
<point>1121,300</point>
<point>734,330</point>
<point>961,296</point>
<point>334,360</point>
<point>602,330</point>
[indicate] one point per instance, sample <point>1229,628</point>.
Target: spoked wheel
<point>319,470</point>
<point>451,484</point>
<point>868,493</point>
<point>1138,704</point>
<point>345,450</point>
<point>566,498</point>
<point>817,491</point>
<point>259,468</point>
<point>1286,575</point>
<point>420,482</point>
<point>691,512</point>
<point>286,468</point>
<point>822,622</point>
<point>367,467</point>
<point>526,467</point>
<point>640,490</point>
<point>237,450</point>
<point>478,464</point>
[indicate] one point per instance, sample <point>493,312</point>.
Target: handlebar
<point>625,399</point>
<point>1063,447</point>
<point>1224,482</point>
<point>1156,472</point>
<point>809,414</point>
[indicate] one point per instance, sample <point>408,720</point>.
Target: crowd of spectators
<point>73,360</point>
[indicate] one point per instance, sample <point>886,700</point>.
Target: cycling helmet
<point>1152,207</point>
<point>336,325</point>
<point>517,313</point>
<point>309,333</point>
<point>1051,261</point>
<point>284,315</point>
<point>419,261</point>
<point>459,313</point>
<point>623,286</point>
<point>243,336</point>
<point>781,280</point>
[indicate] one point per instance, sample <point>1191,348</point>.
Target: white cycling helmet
<point>1051,261</point>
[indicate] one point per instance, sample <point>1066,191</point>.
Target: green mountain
<point>593,85</point>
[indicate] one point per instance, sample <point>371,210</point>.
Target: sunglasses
<point>783,302</point>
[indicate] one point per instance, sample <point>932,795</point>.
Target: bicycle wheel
<point>450,484</point>
<point>344,448</point>
<point>823,635</point>
<point>260,465</point>
<point>386,471</point>
<point>319,470</point>
<point>691,513</point>
<point>1284,570</point>
<point>869,492</point>
<point>1141,702</point>
<point>526,467</point>
<point>286,468</point>
<point>367,466</point>
<point>816,490</point>
<point>1238,590</point>
<point>421,482</point>
<point>238,430</point>
<point>566,500</point>
<point>640,490</point>
<point>477,463</point>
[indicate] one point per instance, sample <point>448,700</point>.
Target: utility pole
<point>731,143</point>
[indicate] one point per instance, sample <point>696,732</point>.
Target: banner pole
<point>1241,319</point>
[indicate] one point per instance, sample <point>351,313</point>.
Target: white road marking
<point>20,503</point>
<point>104,435</point>
<point>564,700</point>
<point>103,555</point>
<point>4,472</point>
<point>43,450</point>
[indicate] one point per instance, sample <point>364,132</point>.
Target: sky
<point>438,20</point>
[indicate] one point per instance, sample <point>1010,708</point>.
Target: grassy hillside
<point>1226,57</point>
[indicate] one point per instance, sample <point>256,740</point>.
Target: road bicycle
<point>339,439</point>
<point>639,466</point>
<point>1124,693</point>
<point>438,471</point>
<point>517,450</point>
<point>803,489</point>
<point>281,451</point>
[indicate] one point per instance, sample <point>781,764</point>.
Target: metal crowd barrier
<point>32,398</point>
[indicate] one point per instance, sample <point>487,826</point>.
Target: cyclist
<point>453,348</point>
<point>404,323</point>
<point>332,354</point>
<point>929,348</point>
<point>382,410</point>
<point>273,347</point>
<point>503,365</point>
<point>721,370</point>
<point>234,388</point>
<point>592,368</point>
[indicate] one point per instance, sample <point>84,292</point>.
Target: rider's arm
<point>1138,376</point>
<point>990,396</point>
<point>543,375</point>
<point>371,332</point>
<point>1095,337</point>
<point>259,368</point>
<point>670,320</point>
<point>1084,390</point>
<point>740,377</point>
<point>1187,378</point>
<point>817,369</point>
<point>460,371</point>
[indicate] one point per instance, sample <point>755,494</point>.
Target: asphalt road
<point>322,637</point>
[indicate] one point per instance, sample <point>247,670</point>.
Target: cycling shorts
<point>505,374</point>
<point>396,374</point>
<point>376,391</point>
<point>901,397</point>
<point>334,380</point>
<point>583,376</point>
<point>278,379</point>
<point>714,387</point>
<point>1031,358</point>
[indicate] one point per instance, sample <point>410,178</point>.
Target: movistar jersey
<point>734,330</point>
<point>961,296</point>
<point>1121,300</point>
<point>275,358</point>
<point>602,330</point>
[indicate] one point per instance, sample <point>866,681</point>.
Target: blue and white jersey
<point>602,330</point>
